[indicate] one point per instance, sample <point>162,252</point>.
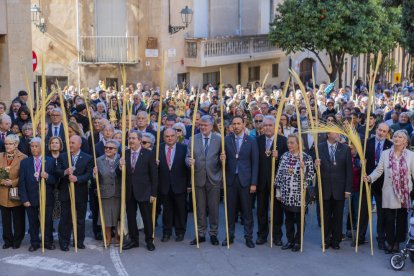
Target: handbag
<point>310,194</point>
<point>14,194</point>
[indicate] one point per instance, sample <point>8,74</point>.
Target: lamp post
<point>38,21</point>
<point>186,17</point>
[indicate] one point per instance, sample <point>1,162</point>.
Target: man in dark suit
<point>5,124</point>
<point>14,109</point>
<point>337,179</point>
<point>80,173</point>
<point>102,99</point>
<point>56,127</point>
<point>107,131</point>
<point>138,104</point>
<point>265,145</point>
<point>141,188</point>
<point>242,167</point>
<point>142,123</point>
<point>30,176</point>
<point>375,146</point>
<point>97,136</point>
<point>173,183</point>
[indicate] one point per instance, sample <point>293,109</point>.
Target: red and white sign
<point>34,60</point>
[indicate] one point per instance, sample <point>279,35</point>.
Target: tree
<point>335,27</point>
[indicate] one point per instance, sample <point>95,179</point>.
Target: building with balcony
<point>87,41</point>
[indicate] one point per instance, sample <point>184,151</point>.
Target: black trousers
<point>292,224</point>
<point>263,202</point>
<point>146,213</point>
<point>65,223</point>
<point>333,211</point>
<point>34,224</point>
<point>236,193</point>
<point>13,218</point>
<point>395,225</point>
<point>380,217</point>
<point>94,207</point>
<point>175,213</point>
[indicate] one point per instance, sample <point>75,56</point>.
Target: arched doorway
<point>306,69</point>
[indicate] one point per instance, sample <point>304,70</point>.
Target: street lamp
<point>38,21</point>
<point>186,17</point>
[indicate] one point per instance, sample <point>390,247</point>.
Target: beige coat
<point>14,177</point>
<point>389,199</point>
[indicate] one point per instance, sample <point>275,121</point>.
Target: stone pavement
<point>174,258</point>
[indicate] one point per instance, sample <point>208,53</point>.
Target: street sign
<point>34,60</point>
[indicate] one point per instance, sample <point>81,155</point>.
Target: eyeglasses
<point>109,148</point>
<point>178,130</point>
<point>54,115</point>
<point>258,121</point>
<point>145,142</point>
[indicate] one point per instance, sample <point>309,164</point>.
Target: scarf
<point>399,174</point>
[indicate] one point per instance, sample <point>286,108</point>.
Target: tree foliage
<point>338,27</point>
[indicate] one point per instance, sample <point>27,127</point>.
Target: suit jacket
<point>29,186</point>
<point>24,146</point>
<point>206,167</point>
<point>177,179</point>
<point>14,172</point>
<point>370,165</point>
<point>265,162</point>
<point>2,148</point>
<point>51,132</point>
<point>96,138</point>
<point>142,182</point>
<point>83,171</point>
<point>247,163</point>
<point>336,179</point>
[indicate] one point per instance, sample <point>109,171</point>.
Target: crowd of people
<point>249,127</point>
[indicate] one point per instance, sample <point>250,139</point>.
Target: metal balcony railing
<point>108,49</point>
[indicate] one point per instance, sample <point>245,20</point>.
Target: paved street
<point>181,259</point>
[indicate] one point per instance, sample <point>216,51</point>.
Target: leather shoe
<point>224,243</point>
<point>278,242</point>
<point>336,246</point>
<point>150,246</point>
<point>388,250</point>
<point>360,242</point>
<point>381,245</point>
<point>98,236</point>
<point>5,246</point>
<point>81,246</point>
<point>165,238</point>
<point>296,247</point>
<point>33,248</point>
<point>64,248</point>
<point>179,238</point>
<point>289,245</point>
<point>16,246</point>
<point>50,246</point>
<point>131,244</point>
<point>214,240</point>
<point>249,243</point>
<point>260,241</point>
<point>200,240</point>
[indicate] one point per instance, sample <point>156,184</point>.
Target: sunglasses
<point>109,148</point>
<point>258,121</point>
<point>145,142</point>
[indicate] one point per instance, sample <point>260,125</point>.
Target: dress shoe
<point>249,243</point>
<point>64,248</point>
<point>349,234</point>
<point>278,242</point>
<point>179,238</point>
<point>98,236</point>
<point>34,247</point>
<point>16,246</point>
<point>214,240</point>
<point>289,245</point>
<point>50,246</point>
<point>381,245</point>
<point>224,243</point>
<point>200,240</point>
<point>360,242</point>
<point>5,246</point>
<point>130,244</point>
<point>260,241</point>
<point>336,246</point>
<point>150,246</point>
<point>81,246</point>
<point>296,247</point>
<point>388,250</point>
<point>165,238</point>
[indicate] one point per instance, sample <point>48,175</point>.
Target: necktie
<point>134,159</point>
<point>378,152</point>
<point>332,153</point>
<point>238,144</point>
<point>3,136</point>
<point>206,146</point>
<point>56,132</point>
<point>268,144</point>
<point>74,160</point>
<point>169,157</point>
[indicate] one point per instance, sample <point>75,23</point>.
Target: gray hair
<point>114,142</point>
<point>100,104</point>
<point>207,119</point>
<point>182,126</point>
<point>149,136</point>
<point>111,127</point>
<point>12,138</point>
<point>27,126</point>
<point>5,117</point>
<point>143,113</point>
<point>36,140</point>
<point>402,132</point>
<point>57,109</point>
<point>270,118</point>
<point>138,133</point>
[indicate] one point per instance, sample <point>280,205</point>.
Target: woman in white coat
<point>397,165</point>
